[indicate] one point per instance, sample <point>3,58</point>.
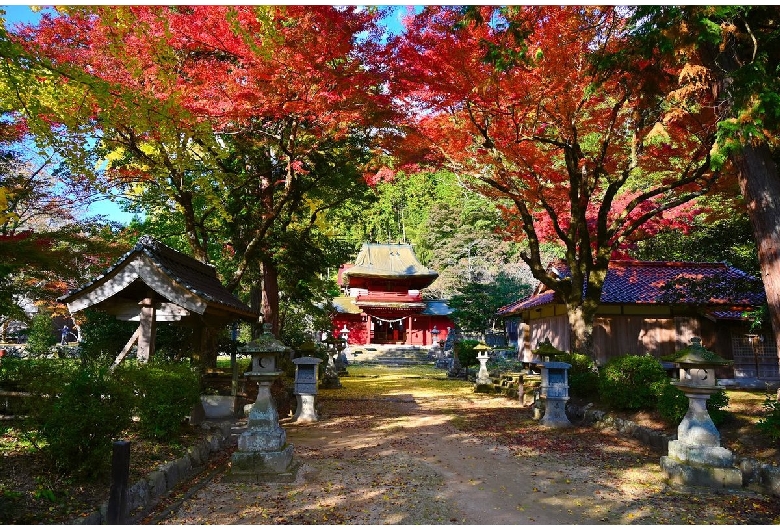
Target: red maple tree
<point>238,106</point>
<point>587,155</point>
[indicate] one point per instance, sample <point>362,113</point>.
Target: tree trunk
<point>760,184</point>
<point>581,316</point>
<point>270,296</point>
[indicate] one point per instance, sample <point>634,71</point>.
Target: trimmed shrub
<point>464,349</point>
<point>42,377</point>
<point>166,393</point>
<point>629,382</point>
<point>673,405</point>
<point>583,375</point>
<point>40,338</point>
<point>502,365</point>
<point>82,422</point>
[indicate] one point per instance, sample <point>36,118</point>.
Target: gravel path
<point>401,460</point>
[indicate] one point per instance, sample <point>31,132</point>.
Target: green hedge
<point>769,423</point>
<point>81,423</point>
<point>464,349</point>
<point>583,375</point>
<point>165,394</point>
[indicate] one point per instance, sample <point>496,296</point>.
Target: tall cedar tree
<point>250,109</point>
<point>590,158</point>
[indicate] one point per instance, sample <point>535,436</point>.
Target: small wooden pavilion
<point>154,283</point>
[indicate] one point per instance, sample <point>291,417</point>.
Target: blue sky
<point>111,209</point>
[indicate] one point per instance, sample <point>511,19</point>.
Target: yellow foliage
<point>4,214</point>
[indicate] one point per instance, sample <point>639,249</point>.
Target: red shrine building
<point>382,303</point>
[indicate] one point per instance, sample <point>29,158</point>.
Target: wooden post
<point>148,330</point>
<point>126,349</point>
<point>234,380</point>
<point>120,475</point>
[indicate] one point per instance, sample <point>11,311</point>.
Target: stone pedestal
<point>304,412</point>
<point>263,452</point>
<point>696,458</point>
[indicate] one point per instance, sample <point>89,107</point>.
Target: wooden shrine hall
<point>154,283</point>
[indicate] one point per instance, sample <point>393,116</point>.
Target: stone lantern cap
<point>265,343</point>
<point>264,350</point>
<point>545,349</point>
<point>307,361</point>
<point>481,349</point>
<point>307,348</point>
<point>696,355</point>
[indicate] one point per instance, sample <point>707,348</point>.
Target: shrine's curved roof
<point>381,260</point>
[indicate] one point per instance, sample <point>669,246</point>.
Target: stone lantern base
<point>696,458</point>
<point>263,467</point>
<point>263,453</point>
<point>555,413</point>
<point>685,474</point>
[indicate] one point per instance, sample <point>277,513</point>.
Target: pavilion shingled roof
<point>200,278</point>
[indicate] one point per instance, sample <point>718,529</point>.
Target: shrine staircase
<point>390,355</point>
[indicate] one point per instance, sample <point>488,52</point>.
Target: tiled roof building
<point>155,283</point>
<point>656,307</point>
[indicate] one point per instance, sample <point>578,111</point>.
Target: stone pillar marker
<point>305,387</point>
<point>555,385</point>
<point>696,458</point>
<point>263,453</point>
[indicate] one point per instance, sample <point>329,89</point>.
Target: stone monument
<point>696,458</point>
<point>263,453</point>
<point>483,382</point>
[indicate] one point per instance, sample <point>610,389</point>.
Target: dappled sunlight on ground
<point>406,448</point>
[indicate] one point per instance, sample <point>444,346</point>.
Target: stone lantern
<point>340,361</point>
<point>330,344</point>
<point>555,385</point>
<point>483,377</point>
<point>263,453</point>
<point>305,386</point>
<point>331,377</point>
<point>696,458</point>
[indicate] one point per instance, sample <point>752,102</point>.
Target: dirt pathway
<point>400,460</point>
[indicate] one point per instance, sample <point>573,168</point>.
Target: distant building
<point>382,303</point>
